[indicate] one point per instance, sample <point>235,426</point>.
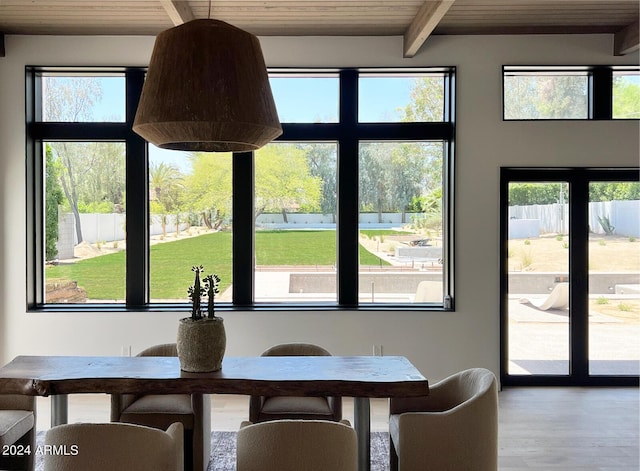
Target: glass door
<point>570,281</point>
<point>538,278</point>
<point>614,279</point>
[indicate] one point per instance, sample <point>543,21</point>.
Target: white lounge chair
<point>557,299</point>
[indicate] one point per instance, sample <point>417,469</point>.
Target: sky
<point>313,99</point>
<point>316,100</point>
<point>298,99</point>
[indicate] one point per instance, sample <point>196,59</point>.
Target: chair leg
<point>393,456</point>
<point>189,457</point>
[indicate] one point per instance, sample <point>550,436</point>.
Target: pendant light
<point>207,89</point>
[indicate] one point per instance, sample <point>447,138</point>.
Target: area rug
<point>223,451</point>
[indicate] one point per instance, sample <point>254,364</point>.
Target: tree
<point>626,97</point>
<point>208,187</point>
<point>167,188</point>
<point>395,175</point>
<point>67,155</point>
<point>92,177</point>
<point>322,161</point>
<point>416,170</point>
<point>427,100</point>
<point>525,194</point>
<point>53,198</point>
<point>104,179</point>
<point>610,191</point>
<point>70,100</point>
<point>284,181</point>
<point>545,96</point>
<point>375,171</point>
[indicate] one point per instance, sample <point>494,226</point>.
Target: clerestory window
<point>576,93</point>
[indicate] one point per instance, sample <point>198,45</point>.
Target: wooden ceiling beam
<point>428,17</point>
<point>627,40</point>
<point>178,10</point>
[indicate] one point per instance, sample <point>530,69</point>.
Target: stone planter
<point>201,344</point>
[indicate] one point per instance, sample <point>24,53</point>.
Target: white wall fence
<point>102,228</point>
<point>109,227</point>
<point>277,219</point>
<point>524,222</point>
<point>536,219</point>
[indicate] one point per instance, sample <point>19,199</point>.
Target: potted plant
<point>201,338</point>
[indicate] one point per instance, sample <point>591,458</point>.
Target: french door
<point>570,276</point>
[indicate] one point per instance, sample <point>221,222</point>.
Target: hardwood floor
<point>583,429</point>
<point>559,429</point>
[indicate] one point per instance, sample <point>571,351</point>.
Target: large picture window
<point>350,207</point>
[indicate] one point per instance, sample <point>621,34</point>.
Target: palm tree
<point>166,187</point>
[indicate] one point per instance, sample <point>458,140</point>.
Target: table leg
<point>362,424</point>
<point>59,409</point>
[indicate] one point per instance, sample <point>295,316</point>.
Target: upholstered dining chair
<point>454,428</point>
<point>114,446</point>
<point>263,408</point>
<point>294,445</point>
<point>193,411</point>
<point>17,427</point>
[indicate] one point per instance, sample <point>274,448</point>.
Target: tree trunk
<point>257,212</point>
<point>71,197</point>
<point>284,216</point>
<point>206,220</point>
<point>380,201</point>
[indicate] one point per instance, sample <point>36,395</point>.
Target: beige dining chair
<point>454,428</point>
<point>295,445</point>
<point>17,428</point>
<point>263,408</point>
<point>193,411</point>
<point>113,446</point>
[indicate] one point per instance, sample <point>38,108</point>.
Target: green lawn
<point>103,277</point>
<point>170,262</point>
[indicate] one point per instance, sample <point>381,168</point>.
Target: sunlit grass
<point>103,277</point>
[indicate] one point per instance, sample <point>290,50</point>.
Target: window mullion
<point>243,228</point>
<point>137,188</point>
<point>579,276</point>
<point>601,92</point>
<point>348,198</point>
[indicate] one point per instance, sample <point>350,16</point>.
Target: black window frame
<point>599,91</point>
<point>347,133</point>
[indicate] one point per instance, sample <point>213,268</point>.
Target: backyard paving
<point>539,342</point>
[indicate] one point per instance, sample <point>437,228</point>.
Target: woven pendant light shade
<point>207,89</point>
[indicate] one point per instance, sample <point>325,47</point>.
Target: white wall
<point>437,343</point>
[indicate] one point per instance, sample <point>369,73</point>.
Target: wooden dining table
<point>360,377</point>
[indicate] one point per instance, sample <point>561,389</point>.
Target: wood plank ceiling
<point>413,19</point>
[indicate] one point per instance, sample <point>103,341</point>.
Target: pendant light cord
<point>209,14</point>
